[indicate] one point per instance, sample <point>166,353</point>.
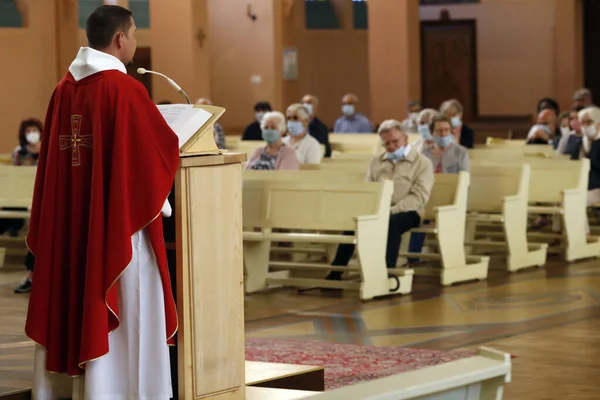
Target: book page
<point>184,119</point>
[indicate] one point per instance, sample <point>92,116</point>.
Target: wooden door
<point>591,43</point>
<point>142,59</point>
<point>449,64</point>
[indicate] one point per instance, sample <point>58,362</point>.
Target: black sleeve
<point>467,137</point>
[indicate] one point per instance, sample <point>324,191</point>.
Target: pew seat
<point>276,210</point>
<point>446,210</point>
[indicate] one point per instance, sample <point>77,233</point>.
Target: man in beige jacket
<point>412,174</point>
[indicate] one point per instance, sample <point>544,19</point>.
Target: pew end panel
<point>447,206</point>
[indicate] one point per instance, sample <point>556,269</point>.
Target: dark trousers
<point>399,224</point>
<point>29,261</point>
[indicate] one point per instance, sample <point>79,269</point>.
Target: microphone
<point>174,85</point>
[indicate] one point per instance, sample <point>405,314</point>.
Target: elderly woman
<point>447,156</point>
<point>275,155</point>
<point>423,120</point>
<point>308,149</point>
<point>453,110</point>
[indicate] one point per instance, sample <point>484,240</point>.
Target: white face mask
<point>309,108</point>
<point>413,116</point>
<point>259,116</point>
<point>564,131</point>
<point>33,137</point>
<point>589,131</point>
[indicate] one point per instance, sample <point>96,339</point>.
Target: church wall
<point>28,69</point>
<point>515,47</point>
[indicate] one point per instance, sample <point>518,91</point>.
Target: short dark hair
<point>104,23</point>
<point>438,118</point>
<point>263,106</point>
<point>548,103</point>
<point>26,123</point>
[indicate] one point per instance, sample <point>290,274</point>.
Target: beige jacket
<point>412,177</point>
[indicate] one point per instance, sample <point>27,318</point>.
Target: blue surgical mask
<point>397,155</point>
<point>455,121</point>
<point>271,136</point>
<point>295,128</point>
<point>424,132</point>
<point>443,141</point>
<point>348,109</point>
<point>309,108</point>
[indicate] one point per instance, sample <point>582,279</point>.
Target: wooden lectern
<point>209,269</point>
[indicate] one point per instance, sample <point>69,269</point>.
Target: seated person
<point>570,142</point>
<point>218,132</point>
<point>352,121</point>
<point>412,174</point>
<point>543,131</point>
<point>423,121</point>
<point>275,155</point>
<point>410,124</point>
<point>316,127</point>
<point>25,154</point>
<point>453,110</point>
<point>447,156</point>
<point>253,131</point>
<point>590,125</point>
<point>308,150</point>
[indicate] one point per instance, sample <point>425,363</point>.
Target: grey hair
<point>582,93</point>
<point>299,109</point>
<point>315,99</point>
<point>428,114</point>
<point>593,112</point>
<point>452,103</point>
<point>281,122</point>
<point>413,103</point>
<point>389,125</point>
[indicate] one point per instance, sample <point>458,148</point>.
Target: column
<point>394,57</point>
<point>180,42</point>
<point>67,39</point>
<point>568,47</point>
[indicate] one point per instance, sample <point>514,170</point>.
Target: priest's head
<point>111,29</point>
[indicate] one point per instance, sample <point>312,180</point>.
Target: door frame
<point>470,24</point>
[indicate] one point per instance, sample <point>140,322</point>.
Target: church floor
<point>548,318</point>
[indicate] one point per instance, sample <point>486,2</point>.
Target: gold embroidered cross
<point>75,140</point>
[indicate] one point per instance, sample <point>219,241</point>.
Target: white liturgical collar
<point>89,62</point>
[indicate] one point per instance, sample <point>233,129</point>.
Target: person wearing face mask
<point>316,128</point>
<point>253,131</point>
<point>412,175</point>
<point>274,155</point>
<point>446,155</point>
<point>464,135</point>
<point>352,121</point>
<point>26,154</point>
<point>423,120</point>
<point>543,131</point>
<point>411,123</point>
<point>308,150</point>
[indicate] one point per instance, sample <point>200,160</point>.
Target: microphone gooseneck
<point>143,71</point>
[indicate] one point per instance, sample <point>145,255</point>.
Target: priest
<point>101,309</point>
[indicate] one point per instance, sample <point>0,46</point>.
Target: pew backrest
<point>490,184</point>
<point>306,176</point>
<point>322,205</point>
<point>16,186</point>
<point>448,189</point>
<point>550,180</point>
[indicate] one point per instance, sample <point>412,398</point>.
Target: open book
<point>193,125</point>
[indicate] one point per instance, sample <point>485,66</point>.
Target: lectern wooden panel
<point>210,296</point>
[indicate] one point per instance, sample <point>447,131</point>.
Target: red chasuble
<point>107,164</point>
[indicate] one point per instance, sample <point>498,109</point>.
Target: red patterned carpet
<point>347,364</point>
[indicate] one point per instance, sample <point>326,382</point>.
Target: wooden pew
<point>6,159</point>
<point>362,207</point>
<point>446,211</point>
<point>563,185</point>
<point>500,194</point>
<point>17,184</point>
<point>493,141</point>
